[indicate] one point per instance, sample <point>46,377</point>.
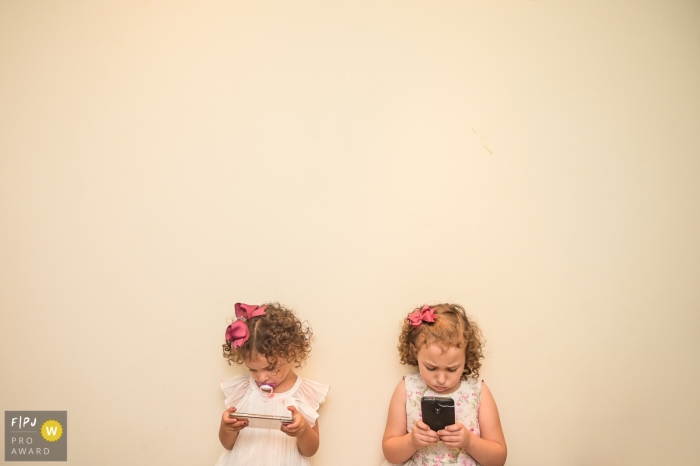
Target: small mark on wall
<point>481,141</point>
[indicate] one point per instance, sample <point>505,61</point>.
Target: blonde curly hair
<point>278,334</point>
<point>452,327</point>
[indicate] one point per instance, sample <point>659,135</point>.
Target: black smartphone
<point>438,411</point>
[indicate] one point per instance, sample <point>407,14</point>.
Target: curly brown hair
<point>452,327</point>
<point>278,334</point>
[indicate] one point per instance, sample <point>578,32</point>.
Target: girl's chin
<point>442,389</point>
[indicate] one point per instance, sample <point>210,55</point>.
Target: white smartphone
<point>262,421</point>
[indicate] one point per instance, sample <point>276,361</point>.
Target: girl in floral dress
<point>446,346</point>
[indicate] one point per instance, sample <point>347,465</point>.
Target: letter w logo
<point>51,430</point>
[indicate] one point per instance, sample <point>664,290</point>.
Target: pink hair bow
<point>425,314</point>
<point>237,333</point>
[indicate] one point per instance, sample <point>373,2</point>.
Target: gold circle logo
<point>51,430</point>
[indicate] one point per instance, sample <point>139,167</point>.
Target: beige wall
<point>535,161</point>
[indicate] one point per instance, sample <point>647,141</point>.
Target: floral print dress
<point>466,398</point>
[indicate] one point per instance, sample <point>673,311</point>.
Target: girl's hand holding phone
<point>298,426</point>
<point>422,436</point>
<point>231,424</point>
<point>456,436</point>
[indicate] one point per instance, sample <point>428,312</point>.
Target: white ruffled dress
<point>267,446</point>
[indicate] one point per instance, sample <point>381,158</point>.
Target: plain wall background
<point>534,161</point>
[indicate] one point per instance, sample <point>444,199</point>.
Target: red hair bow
<point>425,314</point>
<point>237,333</point>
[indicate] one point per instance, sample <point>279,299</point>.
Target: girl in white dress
<point>269,340</point>
<point>446,346</point>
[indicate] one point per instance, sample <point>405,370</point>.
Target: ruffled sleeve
<point>309,397</point>
<point>235,389</point>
